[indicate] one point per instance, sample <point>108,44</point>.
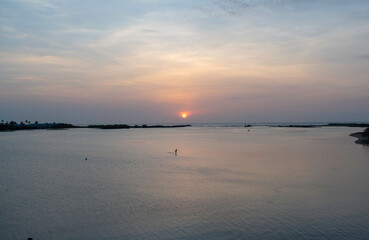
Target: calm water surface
<point>225,183</point>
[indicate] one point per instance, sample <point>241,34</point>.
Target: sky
<point>148,61</point>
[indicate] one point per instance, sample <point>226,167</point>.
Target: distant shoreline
<point>13,126</point>
<point>61,126</point>
<point>125,126</point>
<point>362,137</point>
<point>362,125</point>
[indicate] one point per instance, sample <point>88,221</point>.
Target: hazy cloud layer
<point>230,60</point>
<point>237,7</point>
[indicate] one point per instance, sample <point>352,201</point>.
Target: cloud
<point>22,59</point>
<point>229,54</point>
<point>234,98</point>
<point>37,3</point>
<point>360,15</point>
<point>365,56</point>
<point>234,7</point>
<point>10,32</point>
<point>147,30</point>
<point>239,7</point>
<point>80,30</point>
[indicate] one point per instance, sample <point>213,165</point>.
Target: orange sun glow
<point>184,115</point>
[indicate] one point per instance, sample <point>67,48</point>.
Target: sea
<point>226,182</point>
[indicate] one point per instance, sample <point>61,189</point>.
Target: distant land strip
<point>363,137</point>
<point>13,126</point>
<point>362,125</point>
<point>125,126</point>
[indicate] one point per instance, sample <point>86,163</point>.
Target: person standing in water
<point>175,152</point>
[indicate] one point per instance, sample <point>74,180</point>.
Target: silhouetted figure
<point>175,152</point>
<point>29,239</point>
<point>85,159</point>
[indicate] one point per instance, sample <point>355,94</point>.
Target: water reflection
<point>225,183</point>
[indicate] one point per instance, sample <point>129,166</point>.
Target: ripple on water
<point>223,185</point>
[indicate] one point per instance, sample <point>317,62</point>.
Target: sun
<point>184,115</point>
